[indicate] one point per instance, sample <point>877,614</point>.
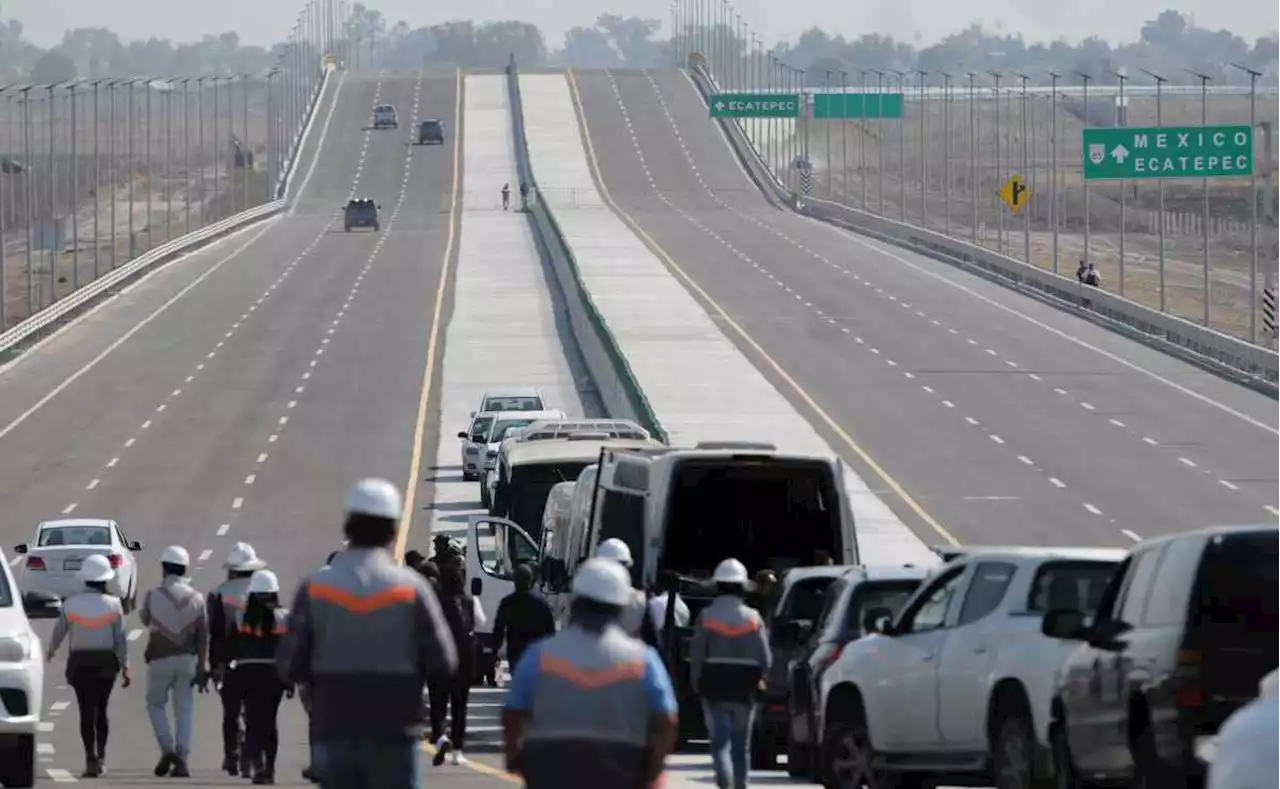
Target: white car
<point>504,424</point>
<point>967,651</point>
<point>472,448</point>
<point>54,557</point>
<point>21,677</point>
<point>384,117</point>
<point>513,398</point>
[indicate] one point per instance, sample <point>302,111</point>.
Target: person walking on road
<point>632,620</point>
<point>259,628</point>
<point>92,623</point>
<point>177,652</point>
<point>506,196</point>
<point>364,635</point>
<point>463,613</point>
<point>728,659</point>
<point>522,618</point>
<point>590,706</point>
<point>224,604</point>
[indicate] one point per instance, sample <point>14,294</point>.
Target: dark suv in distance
<point>431,132</point>
<point>360,212</point>
<point>1183,634</point>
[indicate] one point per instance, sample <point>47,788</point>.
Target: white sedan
<point>54,557</point>
<point>21,678</point>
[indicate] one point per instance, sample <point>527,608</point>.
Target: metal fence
<point>1202,249</point>
<point>96,172</point>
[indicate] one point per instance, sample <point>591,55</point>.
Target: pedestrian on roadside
<point>464,613</point>
<point>92,623</point>
<point>1092,277</point>
<point>259,628</point>
<point>522,618</point>
<point>506,196</point>
<point>224,603</point>
<point>364,636</point>
<point>1081,270</point>
<point>177,653</point>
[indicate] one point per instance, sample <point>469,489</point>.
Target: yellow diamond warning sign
<point>1015,194</point>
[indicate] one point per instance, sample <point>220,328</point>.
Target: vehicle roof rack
<point>758,445</point>
<point>585,436</point>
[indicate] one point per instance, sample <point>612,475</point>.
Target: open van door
<point>495,546</point>
<point>621,508</point>
<point>849,549</point>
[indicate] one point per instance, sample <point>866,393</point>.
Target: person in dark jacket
<point>463,613</point>
<point>523,617</point>
<point>258,629</point>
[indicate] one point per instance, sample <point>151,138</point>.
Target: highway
<point>235,395</point>
<point>1008,421</point>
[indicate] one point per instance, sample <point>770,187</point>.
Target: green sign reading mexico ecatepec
<point>1168,152</point>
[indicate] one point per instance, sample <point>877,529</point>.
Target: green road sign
<point>857,105</point>
<point>755,105</point>
<point>1168,152</point>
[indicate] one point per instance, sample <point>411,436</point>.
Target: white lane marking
<point>324,132</point>
<point>60,776</point>
<point>292,404</point>
<point>59,706</point>
<point>204,555</point>
<point>991,352</point>
<point>93,483</point>
<point>1150,441</point>
<point>92,363</point>
<point>1133,535</point>
<point>1025,460</point>
<point>948,404</point>
<point>175,393</point>
<point>273,438</point>
<point>262,457</point>
<point>284,420</point>
<point>45,726</point>
<point>135,634</point>
<point>70,508</point>
<point>1271,510</point>
<point>1228,484</point>
<point>1187,462</point>
<point>44,748</point>
<point>1057,483</point>
<point>1086,406</point>
<point>1116,422</point>
<point>112,462</point>
<point>237,503</point>
<point>1057,390</point>
<point>996,438</point>
<point>146,424</point>
<point>249,479</point>
<point>130,442</point>
<point>1093,509</point>
<point>161,407</point>
<point>1034,377</point>
<point>971,420</point>
<point>223,529</point>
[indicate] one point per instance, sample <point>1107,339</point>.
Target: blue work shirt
<point>657,685</point>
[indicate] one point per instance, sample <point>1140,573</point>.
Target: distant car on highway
<point>54,556</point>
<point>21,677</point>
<point>384,117</point>
<point>431,132</point>
<point>360,212</point>
<point>516,398</point>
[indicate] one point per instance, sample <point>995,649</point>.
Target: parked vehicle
<point>54,556</point>
<point>21,676</point>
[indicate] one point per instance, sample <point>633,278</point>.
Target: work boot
<point>180,769</point>
<point>230,765</point>
<point>165,764</point>
<point>92,769</point>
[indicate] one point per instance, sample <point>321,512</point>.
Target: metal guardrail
<point>618,388</point>
<point>1231,357</point>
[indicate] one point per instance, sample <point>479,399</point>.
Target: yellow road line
<point>844,435</point>
<point>433,341</point>
<point>483,769</point>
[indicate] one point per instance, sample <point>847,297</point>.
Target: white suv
<point>959,685</point>
<point>21,677</point>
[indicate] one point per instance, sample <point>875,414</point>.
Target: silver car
<point>473,443</point>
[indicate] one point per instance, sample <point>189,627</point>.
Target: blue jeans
<point>370,764</point>
<point>730,728</point>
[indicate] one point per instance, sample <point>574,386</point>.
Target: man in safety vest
<point>728,659</point>
<point>224,603</point>
<point>364,636</point>
<point>632,619</point>
<point>176,653</point>
<point>590,707</point>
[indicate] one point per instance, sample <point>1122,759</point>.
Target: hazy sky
<point>264,21</point>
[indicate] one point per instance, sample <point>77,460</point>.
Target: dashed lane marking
<point>223,529</point>
<point>1133,535</point>
<point>60,776</point>
<point>204,555</point>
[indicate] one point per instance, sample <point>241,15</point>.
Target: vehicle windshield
<point>480,427</point>
<point>806,599</point>
<point>512,404</point>
<point>531,483</point>
<point>1077,586</point>
<point>74,535</point>
<point>500,429</point>
<point>892,595</point>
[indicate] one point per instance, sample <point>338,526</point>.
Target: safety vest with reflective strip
<point>92,622</point>
<point>729,653</point>
<point>258,645</point>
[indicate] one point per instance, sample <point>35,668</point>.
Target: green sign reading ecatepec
<point>755,105</point>
<point>1168,152</point>
<point>853,106</point>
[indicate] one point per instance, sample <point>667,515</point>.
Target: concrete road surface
<point>1007,420</point>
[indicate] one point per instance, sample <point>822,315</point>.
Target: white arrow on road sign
<point>719,105</point>
<point>1119,153</point>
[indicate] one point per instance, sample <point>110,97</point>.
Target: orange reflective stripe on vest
<point>362,604</point>
<point>278,630</point>
<point>730,631</point>
<point>587,678</point>
<point>95,622</point>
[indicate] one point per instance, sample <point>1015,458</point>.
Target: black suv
<point>1183,634</point>
<point>431,132</point>
<point>360,212</point>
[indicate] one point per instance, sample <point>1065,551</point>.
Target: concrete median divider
<point>1249,364</point>
<point>619,392</point>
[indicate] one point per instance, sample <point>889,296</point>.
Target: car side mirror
<point>379,206</point>
<point>1064,623</point>
<point>462,434</point>
<point>135,546</point>
<point>878,619</point>
<point>20,548</point>
<point>476,587</point>
<point>41,605</point>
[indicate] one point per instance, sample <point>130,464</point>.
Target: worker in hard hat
<point>364,635</point>
<point>92,623</point>
<point>632,620</point>
<point>313,769</point>
<point>728,659</point>
<point>176,654</point>
<point>259,628</point>
<point>224,603</point>
<point>590,706</point>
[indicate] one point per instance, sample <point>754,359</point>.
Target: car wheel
<point>1013,761</point>
<point>847,758</point>
<point>18,760</point>
<point>1064,767</point>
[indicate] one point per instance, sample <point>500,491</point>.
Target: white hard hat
<point>175,554</point>
<point>603,581</point>
<point>264,582</point>
<point>615,549</point>
<point>375,497</point>
<point>243,558</point>
<point>731,571</point>
<point>96,569</point>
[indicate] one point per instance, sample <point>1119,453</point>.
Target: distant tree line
<point>1170,45</point>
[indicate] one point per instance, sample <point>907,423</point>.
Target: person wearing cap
<point>590,706</point>
<point>92,623</point>
<point>224,603</point>
<point>364,636</point>
<point>728,659</point>
<point>633,615</point>
<point>258,630</point>
<point>176,654</point>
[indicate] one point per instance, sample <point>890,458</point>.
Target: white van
<point>551,430</point>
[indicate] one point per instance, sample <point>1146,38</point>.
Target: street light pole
<point>186,155</point>
<point>97,184</point>
<point>1085,78</point>
<point>1026,166</point>
<point>149,85</point>
<point>999,173</point>
<point>53,245</point>
<point>27,194</point>
<point>1121,113</point>
<point>924,151</point>
<point>75,192</point>
<point>1253,205</point>
<point>246,151</point>
<point>1205,79</point>
<point>1160,208</point>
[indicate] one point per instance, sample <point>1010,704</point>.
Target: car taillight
<point>116,560</point>
<point>1188,694</point>
<point>35,563</point>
